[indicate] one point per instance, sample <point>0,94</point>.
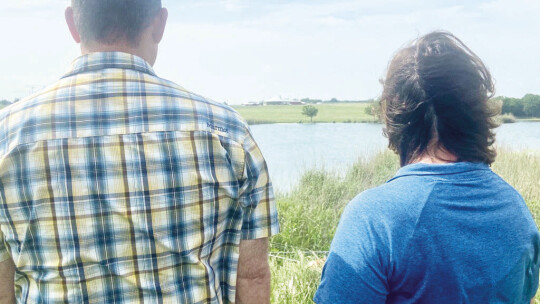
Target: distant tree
<point>528,106</point>
<point>512,106</point>
<point>4,103</point>
<point>374,109</point>
<point>310,111</point>
<point>531,105</point>
<point>368,110</point>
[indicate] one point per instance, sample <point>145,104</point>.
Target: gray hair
<point>111,21</point>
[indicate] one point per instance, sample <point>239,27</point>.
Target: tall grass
<point>506,118</point>
<point>522,170</point>
<point>309,215</point>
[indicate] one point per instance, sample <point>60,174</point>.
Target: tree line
<point>5,102</point>
<point>528,106</point>
<point>333,100</point>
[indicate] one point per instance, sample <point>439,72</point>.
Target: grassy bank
<point>528,119</point>
<point>328,113</point>
<point>310,213</point>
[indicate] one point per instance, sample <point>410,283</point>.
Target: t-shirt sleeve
<point>257,195</point>
<point>4,253</point>
<point>356,268</point>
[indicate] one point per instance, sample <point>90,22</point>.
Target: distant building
<point>252,104</point>
<point>281,101</point>
<point>275,102</point>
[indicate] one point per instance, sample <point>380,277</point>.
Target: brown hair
<point>437,91</point>
<point>109,21</point>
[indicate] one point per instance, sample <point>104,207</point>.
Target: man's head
<point>117,25</point>
<point>435,96</point>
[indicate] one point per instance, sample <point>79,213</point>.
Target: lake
<point>291,149</point>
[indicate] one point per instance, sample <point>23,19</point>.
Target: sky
<point>237,51</point>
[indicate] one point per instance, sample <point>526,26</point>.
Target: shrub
<point>506,118</point>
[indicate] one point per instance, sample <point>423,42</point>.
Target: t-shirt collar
<point>109,60</point>
<point>439,169</point>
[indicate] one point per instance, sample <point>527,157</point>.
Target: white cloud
<point>234,5</point>
<point>31,6</point>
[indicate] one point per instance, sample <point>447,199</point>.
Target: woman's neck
<point>436,156</point>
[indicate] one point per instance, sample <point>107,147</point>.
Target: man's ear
<point>158,27</point>
<point>71,25</point>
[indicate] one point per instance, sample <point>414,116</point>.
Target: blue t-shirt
<point>450,233</point>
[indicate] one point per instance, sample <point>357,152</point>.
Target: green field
<point>310,213</point>
<point>328,113</point>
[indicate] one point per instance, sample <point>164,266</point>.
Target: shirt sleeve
<point>4,253</point>
<point>260,217</point>
<point>356,268</point>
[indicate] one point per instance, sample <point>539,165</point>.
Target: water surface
<point>291,149</point>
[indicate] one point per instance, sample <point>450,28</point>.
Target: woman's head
<point>436,96</point>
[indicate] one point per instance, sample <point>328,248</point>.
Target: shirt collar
<point>109,60</point>
<point>439,169</point>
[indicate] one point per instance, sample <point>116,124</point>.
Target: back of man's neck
<point>116,48</point>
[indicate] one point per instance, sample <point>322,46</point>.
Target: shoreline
<point>253,123</point>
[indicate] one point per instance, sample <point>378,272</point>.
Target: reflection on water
<point>290,149</point>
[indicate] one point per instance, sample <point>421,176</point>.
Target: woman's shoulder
<point>394,204</point>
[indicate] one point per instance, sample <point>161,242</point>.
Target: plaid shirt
<point>117,186</point>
